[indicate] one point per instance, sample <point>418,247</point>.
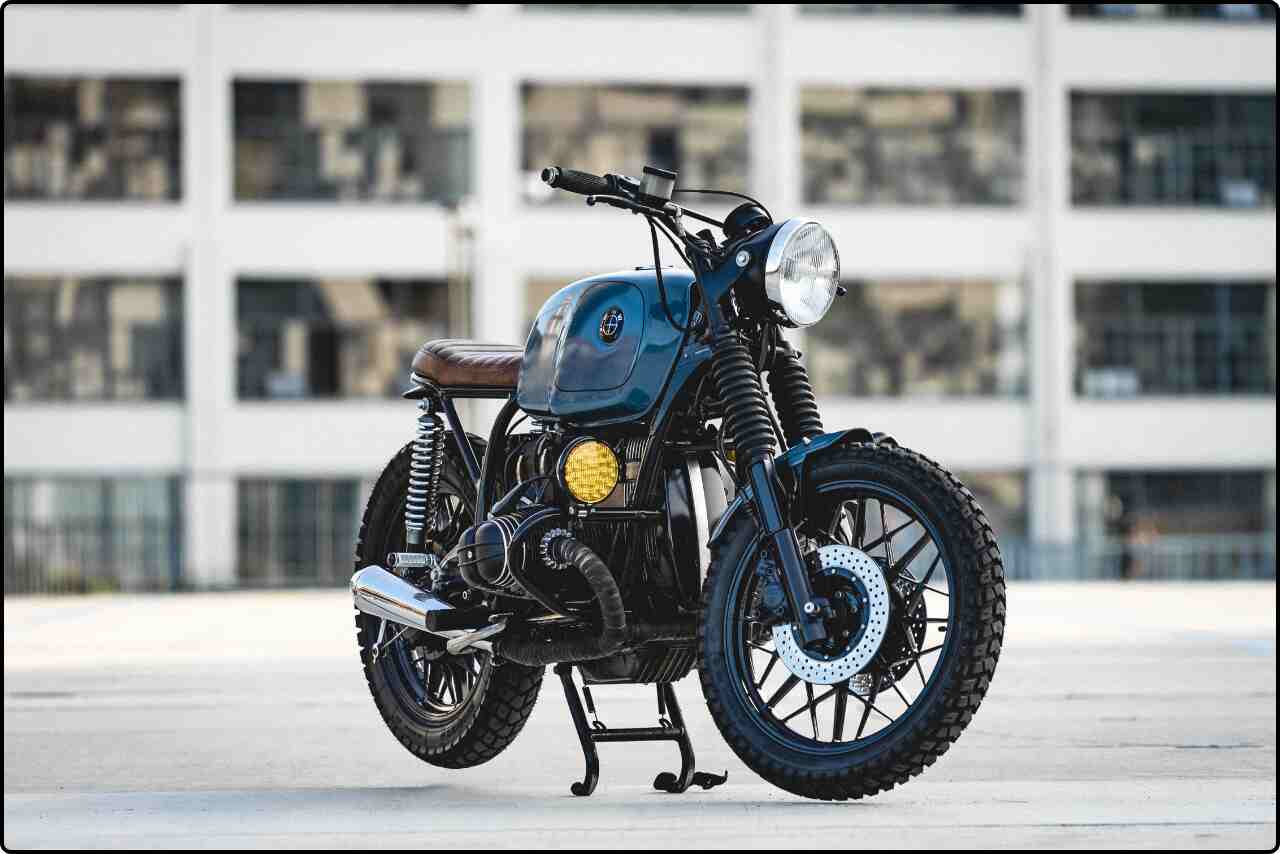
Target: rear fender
<point>793,467</point>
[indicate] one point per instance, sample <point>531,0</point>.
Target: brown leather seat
<point>455,362</point>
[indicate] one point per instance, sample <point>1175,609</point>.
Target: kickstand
<point>668,729</point>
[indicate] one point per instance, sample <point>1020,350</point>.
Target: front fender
<point>792,466</point>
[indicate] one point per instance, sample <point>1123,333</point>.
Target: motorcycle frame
<point>763,491</point>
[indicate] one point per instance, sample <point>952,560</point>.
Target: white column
<point>209,305</point>
<point>1050,300</point>
<point>498,282</point>
<point>776,166</point>
<point>775,115</point>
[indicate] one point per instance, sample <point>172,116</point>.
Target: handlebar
<point>621,191</point>
<point>582,183</point>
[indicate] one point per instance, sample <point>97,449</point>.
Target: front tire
<point>449,711</point>
<point>751,714</point>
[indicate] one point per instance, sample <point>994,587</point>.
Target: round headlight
<point>802,272</point>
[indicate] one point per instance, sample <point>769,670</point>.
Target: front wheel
<point>913,585</point>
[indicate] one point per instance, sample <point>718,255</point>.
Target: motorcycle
<point>841,596</point>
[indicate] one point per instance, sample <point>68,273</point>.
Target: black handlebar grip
<point>583,183</point>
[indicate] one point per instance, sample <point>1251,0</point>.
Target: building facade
<point>227,228</point>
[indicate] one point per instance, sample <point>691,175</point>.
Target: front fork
<point>747,421</point>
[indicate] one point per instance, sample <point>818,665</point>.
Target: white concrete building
<point>1068,433</point>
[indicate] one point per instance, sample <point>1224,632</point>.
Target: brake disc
<point>861,575</point>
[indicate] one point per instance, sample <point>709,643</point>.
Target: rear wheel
<point>451,711</point>
<point>909,567</point>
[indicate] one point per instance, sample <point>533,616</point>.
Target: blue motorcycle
<point>842,597</point>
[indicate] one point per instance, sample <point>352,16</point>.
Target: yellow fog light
<point>589,470</point>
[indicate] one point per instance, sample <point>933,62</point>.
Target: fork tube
<point>746,418</point>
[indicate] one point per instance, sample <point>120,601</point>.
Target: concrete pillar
<point>498,283</point>
<point>1049,302</point>
<point>776,158</point>
<point>209,513</point>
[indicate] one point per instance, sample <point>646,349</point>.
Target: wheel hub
<point>853,583</point>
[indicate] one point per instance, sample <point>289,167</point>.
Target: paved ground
<point>1139,716</point>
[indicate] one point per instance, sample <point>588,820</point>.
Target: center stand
<point>672,729</point>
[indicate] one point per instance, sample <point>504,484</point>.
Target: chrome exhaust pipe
<point>386,595</point>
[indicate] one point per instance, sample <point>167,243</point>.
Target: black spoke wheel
<point>868,517</point>
<point>922,541</point>
<point>452,711</point>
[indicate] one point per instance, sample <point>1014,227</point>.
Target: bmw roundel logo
<point>611,325</point>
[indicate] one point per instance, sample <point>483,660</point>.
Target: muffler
<point>386,595</point>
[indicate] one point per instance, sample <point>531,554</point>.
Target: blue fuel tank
<point>602,348</point>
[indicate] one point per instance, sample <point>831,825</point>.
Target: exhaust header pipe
<point>384,594</point>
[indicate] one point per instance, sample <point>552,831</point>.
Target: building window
<point>78,535</point>
<point>997,9</point>
<point>1156,11</point>
<point>1185,149</point>
<point>76,138</point>
<point>921,338</point>
<point>911,146</point>
<point>339,337</point>
<point>1172,338</point>
<point>697,131</point>
<point>1177,524</point>
<point>92,339</point>
<point>640,8</point>
<point>351,141</point>
<point>293,532</point>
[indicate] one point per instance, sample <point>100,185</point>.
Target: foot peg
<point>669,729</point>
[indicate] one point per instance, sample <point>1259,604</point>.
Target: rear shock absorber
<point>793,396</point>
<point>746,414</point>
<point>424,473</point>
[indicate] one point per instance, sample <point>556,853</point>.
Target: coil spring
<point>746,415</point>
<point>424,473</point>
<point>793,398</point>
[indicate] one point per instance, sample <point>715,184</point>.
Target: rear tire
<point>946,702</point>
<point>500,695</point>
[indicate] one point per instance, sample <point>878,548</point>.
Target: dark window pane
<point>339,337</point>
<point>903,338</point>
<point>92,138</point>
<point>294,532</point>
<point>1177,524</point>
<point>92,339</point>
<point>1187,149</point>
<point>911,147</point>
<point>1135,338</point>
<point>351,141</point>
<point>699,132</point>
<point>75,535</point>
<point>1179,11</point>
<point>647,8</point>
<point>1002,9</point>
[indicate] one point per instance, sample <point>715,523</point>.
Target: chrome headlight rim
<point>773,270</point>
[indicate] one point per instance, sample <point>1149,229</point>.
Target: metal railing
<point>1130,356</point>
<point>81,557</point>
<point>1197,557</point>
<point>86,556</point>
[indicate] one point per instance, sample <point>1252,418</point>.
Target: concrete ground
<point>1120,716</point>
